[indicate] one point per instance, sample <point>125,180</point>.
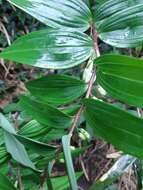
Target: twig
<point>19,179</point>
<point>3,65</point>
<point>84,170</point>
<point>92,80</point>
<point>3,29</point>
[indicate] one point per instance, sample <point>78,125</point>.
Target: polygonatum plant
<point>57,104</point>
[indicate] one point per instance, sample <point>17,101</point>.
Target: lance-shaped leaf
<point>57,89</point>
<point>50,48</point>
<point>121,76</point>
<point>120,22</point>
<point>65,14</point>
<point>68,159</point>
<point>116,126</point>
<point>35,145</point>
<point>5,184</point>
<point>44,113</point>
<point>17,150</point>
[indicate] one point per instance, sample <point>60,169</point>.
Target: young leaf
<point>115,125</point>
<point>57,89</point>
<point>55,13</point>
<point>5,184</point>
<point>17,150</point>
<point>49,48</point>
<point>121,76</point>
<point>120,23</point>
<point>44,113</point>
<point>70,169</point>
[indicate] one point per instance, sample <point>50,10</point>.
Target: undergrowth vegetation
<point>93,92</point>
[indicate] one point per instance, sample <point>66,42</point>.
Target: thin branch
<point>92,80</point>
<point>3,29</point>
<point>20,184</point>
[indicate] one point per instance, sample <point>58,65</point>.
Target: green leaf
<point>61,183</point>
<point>57,89</point>
<point>17,150</point>
<point>51,49</point>
<point>116,126</point>
<point>70,169</point>
<point>33,129</point>
<point>5,124</point>
<point>119,168</point>
<point>5,184</point>
<point>52,135</point>
<point>63,14</point>
<point>120,23</point>
<point>36,146</point>
<point>3,154</point>
<point>44,113</point>
<point>121,76</point>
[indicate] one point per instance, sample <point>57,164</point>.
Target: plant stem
<point>92,79</point>
<point>19,179</point>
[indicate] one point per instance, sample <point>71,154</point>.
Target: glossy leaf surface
<point>68,159</point>
<point>120,22</point>
<point>51,49</point>
<point>65,14</point>
<point>116,126</point>
<point>121,76</point>
<point>57,89</point>
<point>44,113</point>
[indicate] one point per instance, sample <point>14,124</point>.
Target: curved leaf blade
<point>57,89</point>
<point>44,113</point>
<point>116,126</point>
<point>5,124</point>
<point>48,48</point>
<point>55,13</point>
<point>70,169</point>
<point>120,23</point>
<point>17,150</point>
<point>35,146</point>
<point>121,76</point>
